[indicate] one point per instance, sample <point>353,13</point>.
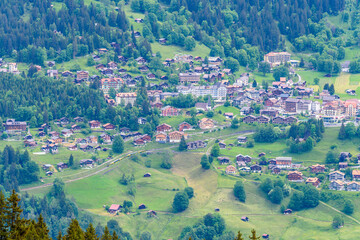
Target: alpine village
<point>179,119</point>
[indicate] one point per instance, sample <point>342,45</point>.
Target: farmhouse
<point>249,119</point>
<point>196,145</point>
<point>86,162</point>
<point>275,170</point>
<point>114,208</point>
<point>73,147</point>
<point>161,138</point>
<point>245,158</point>
<point>314,181</point>
<point>336,175</point>
<point>67,132</point>
<point>353,186</point>
<point>82,75</point>
<point>317,168</point>
<point>175,136</point>
<point>337,185</point>
<point>230,169</point>
<point>222,145</point>
<point>278,120</point>
<point>184,126</point>
<point>163,128</point>
<point>109,126</point>
<point>229,115</point>
<point>242,139</point>
<point>356,174</point>
<point>106,138</point>
<point>224,160</point>
<point>94,124</point>
<point>263,119</point>
<point>62,165</point>
<point>295,176</point>
<point>206,123</point>
<point>169,111</point>
<point>255,168</point>
<point>14,126</point>
<point>142,140</point>
<point>283,162</point>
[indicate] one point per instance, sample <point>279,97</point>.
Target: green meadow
<point>212,190</point>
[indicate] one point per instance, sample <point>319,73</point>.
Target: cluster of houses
<point>9,67</point>
<point>293,174</point>
<point>49,168</point>
<point>288,99</point>
<point>244,163</point>
<point>265,119</point>
<point>339,183</point>
<point>166,134</point>
<point>53,139</point>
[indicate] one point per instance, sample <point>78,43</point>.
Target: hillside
<point>179,119</point>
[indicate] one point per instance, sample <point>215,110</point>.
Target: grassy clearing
<point>155,192</point>
<point>352,53</point>
<point>343,82</point>
<point>309,76</point>
<point>169,51</point>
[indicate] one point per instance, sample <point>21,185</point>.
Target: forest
<point>33,31</point>
<point>242,29</point>
<point>44,99</point>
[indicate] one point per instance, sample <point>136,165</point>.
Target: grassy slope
<point>212,190</point>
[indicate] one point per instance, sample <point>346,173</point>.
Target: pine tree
<point>239,236</point>
<point>332,89</point>
<point>31,233</point>
<point>42,229</point>
<point>182,145</point>
<point>59,236</point>
<point>71,160</point>
<point>115,236</point>
<point>3,213</point>
<point>106,235</point>
<point>74,231</point>
<point>90,233</point>
<point>254,84</point>
<point>253,235</point>
<point>16,224</point>
<point>342,132</point>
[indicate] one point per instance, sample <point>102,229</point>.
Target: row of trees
<point>348,131</point>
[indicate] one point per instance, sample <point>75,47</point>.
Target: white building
<point>315,106</point>
<point>242,81</point>
<point>217,91</point>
